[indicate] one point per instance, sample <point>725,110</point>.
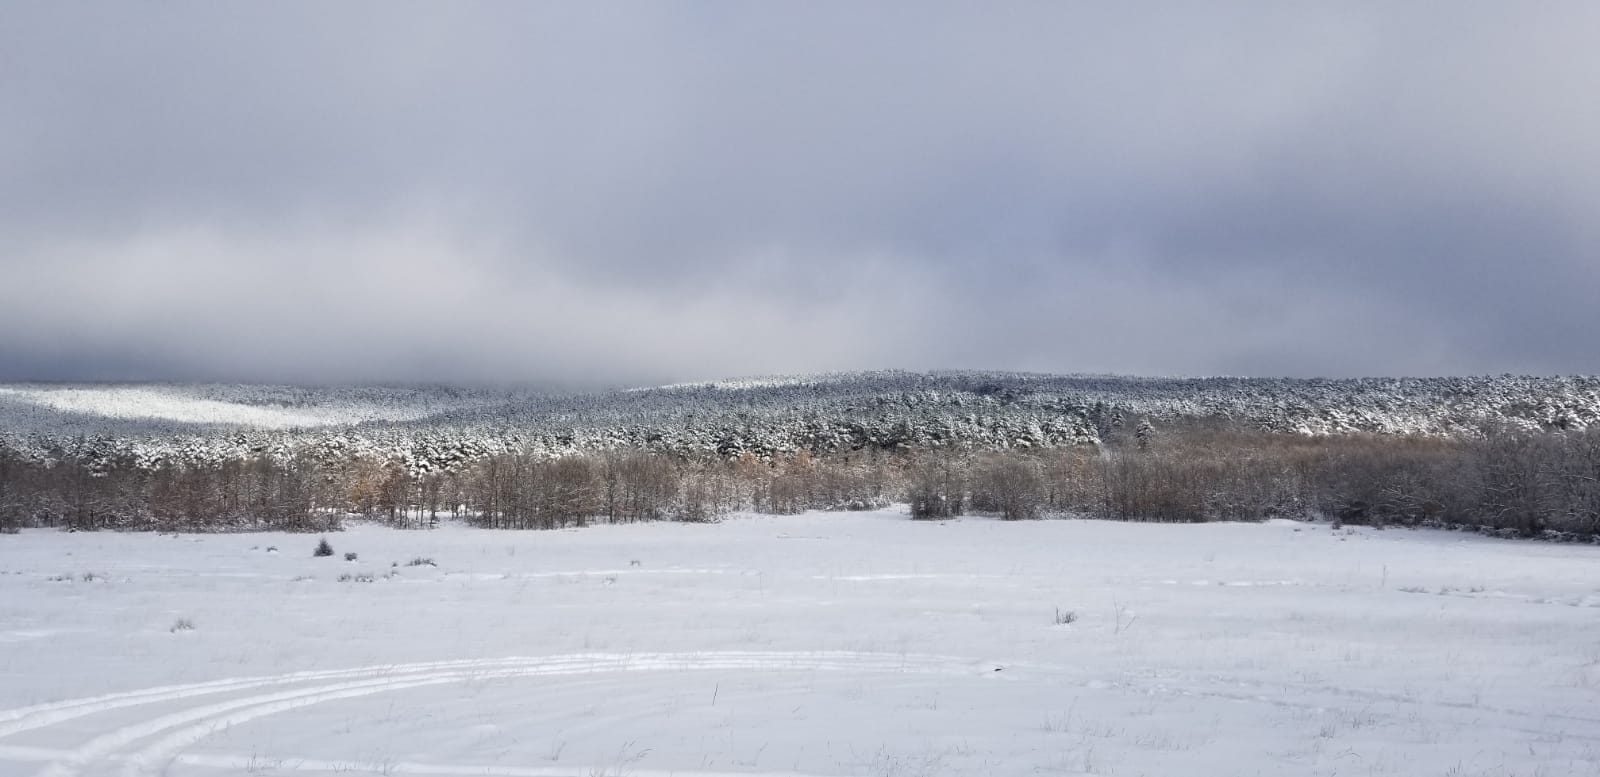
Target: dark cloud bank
<point>661,191</point>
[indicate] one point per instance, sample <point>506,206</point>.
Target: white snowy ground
<point>830,644</point>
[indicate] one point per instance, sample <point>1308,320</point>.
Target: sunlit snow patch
<point>171,405</point>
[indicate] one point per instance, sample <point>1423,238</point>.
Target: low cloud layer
<point>659,192</point>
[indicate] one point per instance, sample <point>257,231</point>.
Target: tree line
<point>1509,481</point>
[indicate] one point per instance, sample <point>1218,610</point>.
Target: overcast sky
<point>632,193</point>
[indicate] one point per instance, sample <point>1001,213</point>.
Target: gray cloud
<point>507,191</point>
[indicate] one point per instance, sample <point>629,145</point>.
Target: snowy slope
<point>763,416</point>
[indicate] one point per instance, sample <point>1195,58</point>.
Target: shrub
<point>349,557</point>
<point>323,549</point>
<point>936,489</point>
<point>419,561</point>
<point>1010,486</point>
<point>182,624</point>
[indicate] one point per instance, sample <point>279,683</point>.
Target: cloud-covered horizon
<point>673,191</point>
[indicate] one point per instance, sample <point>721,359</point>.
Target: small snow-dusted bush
<point>1064,617</point>
<point>349,557</point>
<point>420,561</point>
<point>323,548</point>
<point>182,624</point>
<point>87,577</point>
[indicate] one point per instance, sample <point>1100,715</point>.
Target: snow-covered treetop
<point>437,427</point>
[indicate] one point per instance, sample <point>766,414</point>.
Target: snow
<point>822,644</point>
<point>142,403</point>
<point>253,407</point>
<point>436,427</point>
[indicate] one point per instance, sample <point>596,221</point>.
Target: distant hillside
<point>437,427</point>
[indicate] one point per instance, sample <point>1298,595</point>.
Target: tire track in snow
<point>21,719</point>
<point>17,720</point>
<point>167,737</point>
<point>241,764</point>
<point>177,730</point>
<point>153,757</point>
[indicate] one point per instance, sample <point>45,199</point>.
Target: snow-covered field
<point>835,644</point>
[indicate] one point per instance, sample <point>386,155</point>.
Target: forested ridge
<point>1511,454</point>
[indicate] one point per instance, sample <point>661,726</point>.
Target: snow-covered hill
<point>434,426</point>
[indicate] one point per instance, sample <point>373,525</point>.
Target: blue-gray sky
<point>639,192</point>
